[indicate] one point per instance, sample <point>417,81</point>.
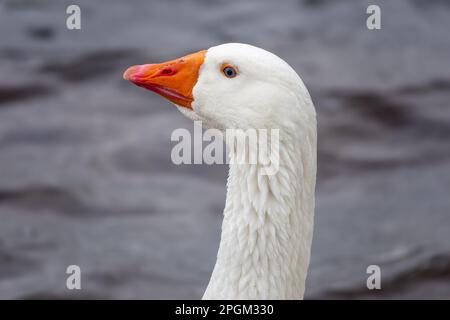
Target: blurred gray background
<point>85,170</point>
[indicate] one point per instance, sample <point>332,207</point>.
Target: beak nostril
<point>166,71</point>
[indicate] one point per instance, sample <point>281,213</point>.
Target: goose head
<point>238,86</point>
<point>230,86</point>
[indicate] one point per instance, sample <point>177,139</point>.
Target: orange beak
<point>174,80</point>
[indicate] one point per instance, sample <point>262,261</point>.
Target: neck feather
<point>267,229</point>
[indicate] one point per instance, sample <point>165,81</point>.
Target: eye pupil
<point>229,72</point>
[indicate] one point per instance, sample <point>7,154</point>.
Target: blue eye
<point>229,71</point>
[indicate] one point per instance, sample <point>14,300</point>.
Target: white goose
<point>268,220</point>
